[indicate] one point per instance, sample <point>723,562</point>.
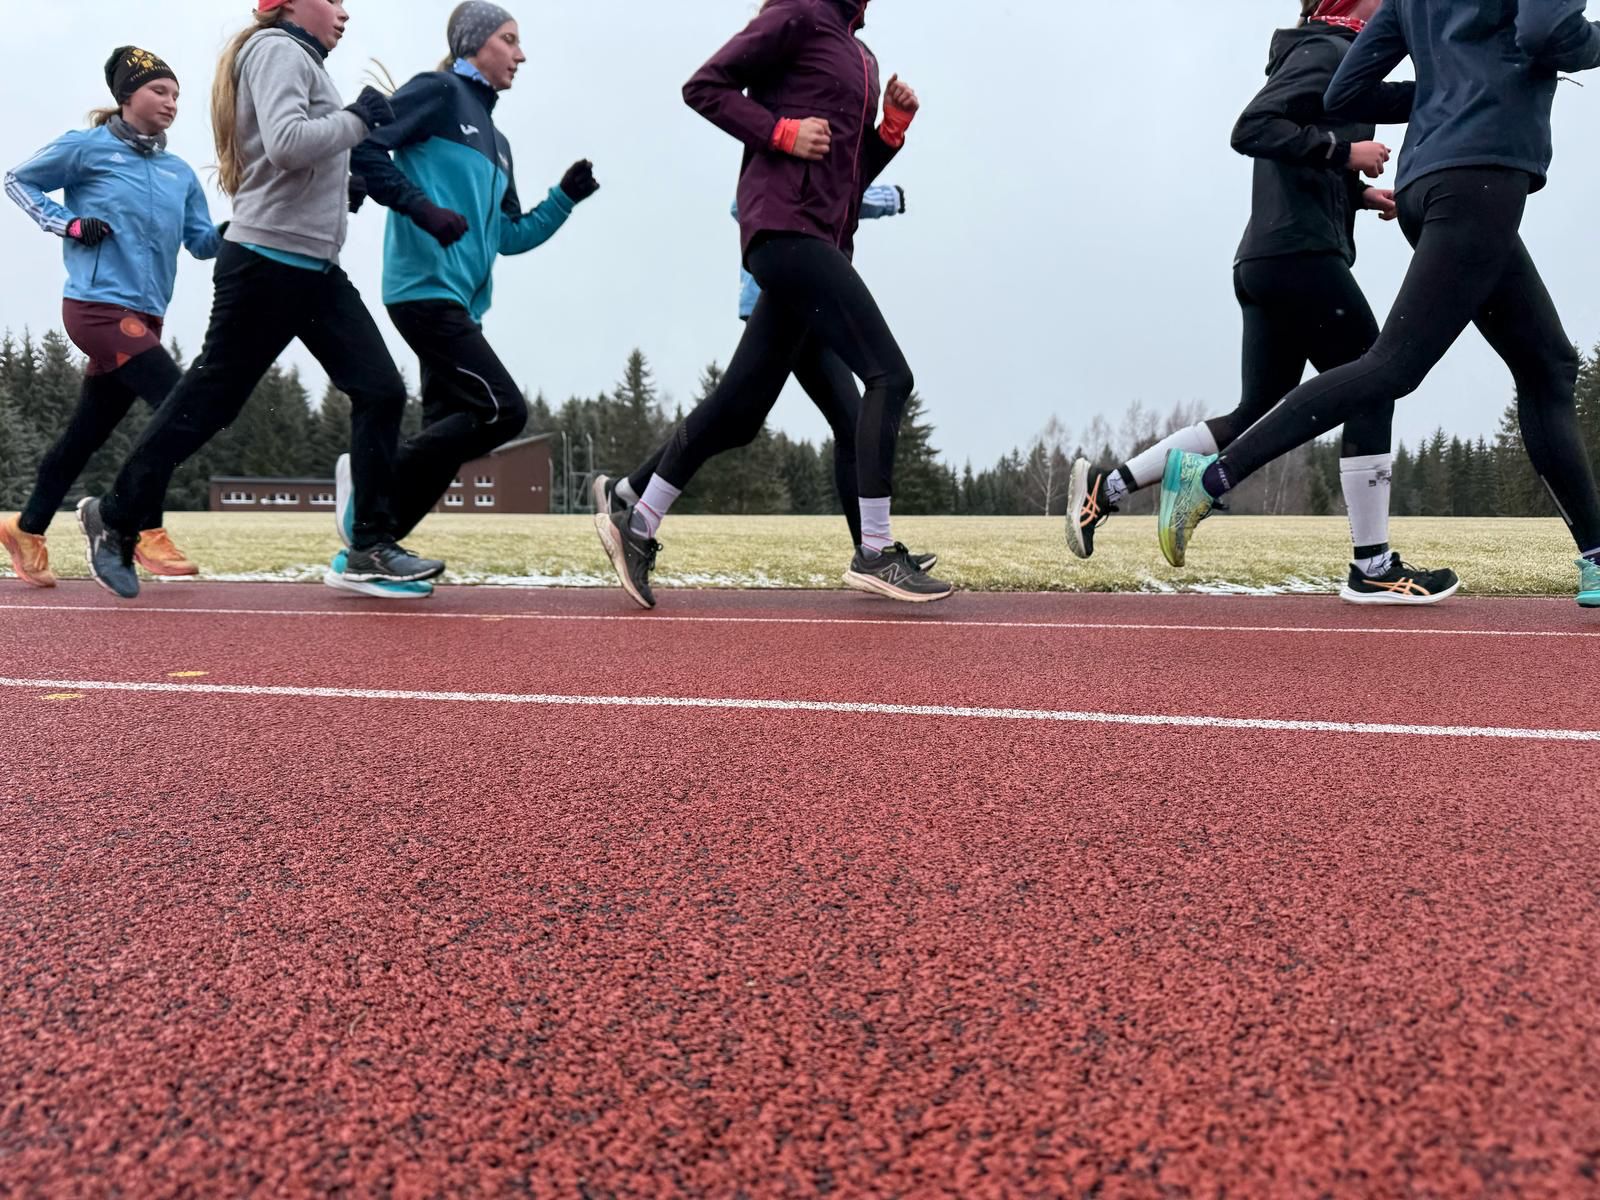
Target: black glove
<point>222,230</point>
<point>373,107</point>
<point>91,231</point>
<point>444,226</point>
<point>579,182</point>
<point>902,192</point>
<point>358,192</point>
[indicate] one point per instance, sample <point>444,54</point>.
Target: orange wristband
<point>786,135</point>
<point>895,123</point>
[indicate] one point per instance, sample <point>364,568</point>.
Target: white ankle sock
<point>1376,565</point>
<point>1117,488</point>
<point>875,524</point>
<point>1367,482</point>
<point>1147,468</point>
<point>626,492</point>
<point>652,507</point>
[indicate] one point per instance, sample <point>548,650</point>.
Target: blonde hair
<point>99,116</point>
<point>225,102</point>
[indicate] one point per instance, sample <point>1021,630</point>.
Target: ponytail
<point>99,116</point>
<point>225,102</point>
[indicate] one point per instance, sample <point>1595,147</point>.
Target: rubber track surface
<point>288,946</point>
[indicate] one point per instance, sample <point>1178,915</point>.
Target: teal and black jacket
<point>446,151</point>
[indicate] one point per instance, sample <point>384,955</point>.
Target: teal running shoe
<point>382,589</point>
<point>1184,502</point>
<point>1588,584</point>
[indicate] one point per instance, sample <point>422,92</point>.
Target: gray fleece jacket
<point>294,141</point>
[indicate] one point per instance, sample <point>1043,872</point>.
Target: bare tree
<point>1048,468</point>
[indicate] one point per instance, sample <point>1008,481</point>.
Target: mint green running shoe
<point>1184,502</point>
<point>1588,584</point>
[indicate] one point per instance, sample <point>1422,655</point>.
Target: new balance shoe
<point>389,563</point>
<point>1588,583</point>
<point>344,500</point>
<point>632,554</point>
<point>1184,502</point>
<point>30,556</point>
<point>894,574</point>
<point>339,581</point>
<point>157,554</point>
<point>1400,584</point>
<point>110,552</point>
<point>924,562</point>
<point>1087,507</point>
<point>603,493</point>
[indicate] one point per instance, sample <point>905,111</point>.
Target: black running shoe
<point>632,554</point>
<point>1400,584</point>
<point>389,563</point>
<point>110,552</point>
<point>603,494</point>
<point>893,574</point>
<point>1087,507</point>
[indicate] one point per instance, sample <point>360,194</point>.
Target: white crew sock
<point>875,524</point>
<point>625,490</point>
<point>1147,468</point>
<point>1367,483</point>
<point>652,507</point>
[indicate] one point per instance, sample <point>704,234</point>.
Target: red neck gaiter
<point>1336,12</point>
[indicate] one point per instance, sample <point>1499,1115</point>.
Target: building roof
<point>264,480</point>
<point>521,442</point>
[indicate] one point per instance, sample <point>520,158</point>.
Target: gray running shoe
<point>633,555</point>
<point>894,574</point>
<point>110,552</point>
<point>389,563</point>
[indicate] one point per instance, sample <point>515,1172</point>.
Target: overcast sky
<point>1074,204</point>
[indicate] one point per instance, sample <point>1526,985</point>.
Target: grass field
<point>1296,554</point>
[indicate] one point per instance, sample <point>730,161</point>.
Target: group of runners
<point>802,93</point>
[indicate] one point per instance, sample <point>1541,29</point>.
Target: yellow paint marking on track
<point>59,696</point>
<point>187,674</point>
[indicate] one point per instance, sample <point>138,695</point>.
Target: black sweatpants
<point>1470,267</point>
<point>832,388</point>
<point>470,405</point>
<point>809,289</point>
<point>260,307</point>
<point>1299,309</point>
<point>103,405</point>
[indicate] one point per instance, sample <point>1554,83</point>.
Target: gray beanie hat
<point>473,24</point>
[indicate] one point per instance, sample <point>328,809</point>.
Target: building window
<point>239,498</point>
<point>484,481</point>
<point>286,498</point>
<point>456,482</point>
<point>454,502</point>
<point>324,499</point>
<point>483,501</point>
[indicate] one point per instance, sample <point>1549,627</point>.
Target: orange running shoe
<point>156,554</point>
<point>30,557</point>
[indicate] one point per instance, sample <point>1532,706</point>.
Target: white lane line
<point>841,708</point>
<point>926,623</point>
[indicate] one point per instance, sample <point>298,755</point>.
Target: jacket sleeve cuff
<point>784,135</point>
<point>1339,153</point>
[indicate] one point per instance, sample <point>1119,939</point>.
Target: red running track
<point>291,944</point>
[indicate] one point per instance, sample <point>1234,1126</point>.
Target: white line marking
<point>644,621</point>
<point>842,708</point>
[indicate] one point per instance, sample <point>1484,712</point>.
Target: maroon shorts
<point>109,334</point>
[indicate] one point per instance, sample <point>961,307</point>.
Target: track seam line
<point>926,623</point>
<point>844,708</point>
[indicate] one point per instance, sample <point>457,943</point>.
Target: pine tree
<point>329,434</point>
<point>919,484</point>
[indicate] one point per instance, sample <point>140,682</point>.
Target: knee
<point>743,430</point>
<point>511,417</point>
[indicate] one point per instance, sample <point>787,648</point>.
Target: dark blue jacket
<point>1486,78</point>
<point>447,151</point>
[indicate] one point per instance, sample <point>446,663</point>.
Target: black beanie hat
<point>130,68</point>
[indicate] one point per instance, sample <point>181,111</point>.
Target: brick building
<point>518,478</point>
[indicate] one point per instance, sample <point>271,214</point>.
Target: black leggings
<point>1470,268</point>
<point>808,290</point>
<point>1299,309</point>
<point>832,388</point>
<point>102,406</point>
<point>470,405</point>
<point>260,307</point>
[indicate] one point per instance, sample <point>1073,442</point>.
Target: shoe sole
<point>165,572</point>
<point>343,483</point>
<point>612,544</point>
<point>340,583</point>
<point>1589,600</point>
<point>873,586</point>
<point>1171,480</point>
<point>1391,600</point>
<point>15,553</point>
<point>423,577</point>
<point>1077,496</point>
<point>597,497</point>
<point>88,553</point>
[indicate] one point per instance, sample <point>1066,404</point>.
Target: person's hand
<point>441,224</point>
<point>901,96</point>
<point>1369,158</point>
<point>579,182</point>
<point>373,107</point>
<point>358,192</point>
<point>91,231</point>
<point>813,140</point>
<point>1381,201</point>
